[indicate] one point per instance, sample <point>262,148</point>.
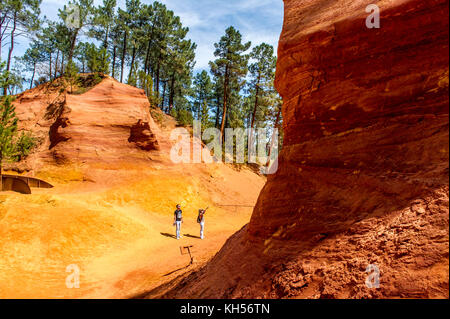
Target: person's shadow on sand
<point>169,235</point>
<point>192,236</point>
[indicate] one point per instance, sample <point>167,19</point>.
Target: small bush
<point>23,146</point>
<point>183,117</point>
<point>158,117</point>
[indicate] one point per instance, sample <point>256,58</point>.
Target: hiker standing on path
<point>178,220</point>
<point>201,221</point>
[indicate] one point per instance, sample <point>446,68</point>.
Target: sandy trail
<point>111,211</point>
<point>117,232</point>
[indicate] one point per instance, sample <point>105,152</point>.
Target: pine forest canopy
<point>144,45</point>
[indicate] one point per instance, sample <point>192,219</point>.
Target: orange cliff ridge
<point>89,127</point>
<point>363,176</point>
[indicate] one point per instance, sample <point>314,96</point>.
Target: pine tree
<point>128,20</point>
<point>31,59</point>
<point>203,93</point>
<point>4,22</point>
<point>115,38</point>
<point>231,65</point>
<point>84,16</point>
<point>262,73</point>
<point>133,24</point>
<point>204,116</point>
<point>179,66</point>
<point>71,74</point>
<point>23,17</point>
<point>97,59</point>
<point>104,19</point>
<point>217,98</point>
<point>61,41</point>
<point>48,41</point>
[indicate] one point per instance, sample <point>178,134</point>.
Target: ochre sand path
<point>111,211</point>
<point>119,237</point>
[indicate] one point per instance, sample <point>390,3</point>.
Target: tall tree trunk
<point>72,44</point>
<point>114,63</point>
<point>163,95</point>
<point>124,52</point>
<point>218,105</point>
<point>2,33</point>
<point>32,77</point>
<point>133,57</point>
<point>218,113</point>
<point>147,57</point>
<point>225,100</point>
<point>172,93</point>
<point>255,109</point>
<point>157,77</point>
<point>50,66</point>
<point>105,41</point>
<point>56,65</point>
<point>62,64</point>
<point>11,49</point>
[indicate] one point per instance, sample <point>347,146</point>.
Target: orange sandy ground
<point>115,224</point>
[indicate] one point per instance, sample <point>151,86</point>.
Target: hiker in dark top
<point>201,221</point>
<point>178,220</point>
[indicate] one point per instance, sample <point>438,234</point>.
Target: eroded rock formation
<point>363,175</point>
<point>109,123</point>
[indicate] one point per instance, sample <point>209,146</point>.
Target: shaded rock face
<point>110,123</point>
<point>366,113</point>
<point>142,136</point>
<point>362,187</point>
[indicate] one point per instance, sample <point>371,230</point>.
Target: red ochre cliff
<point>363,176</point>
<point>89,127</point>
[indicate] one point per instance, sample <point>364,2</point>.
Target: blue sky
<point>258,20</point>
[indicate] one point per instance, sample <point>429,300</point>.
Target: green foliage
<point>231,66</point>
<point>23,146</point>
<point>262,95</point>
<point>205,117</point>
<point>202,94</point>
<point>103,22</point>
<point>81,53</point>
<point>17,17</point>
<point>97,59</point>
<point>92,58</point>
<point>158,116</point>
<point>5,79</point>
<point>145,82</point>
<point>71,74</point>
<point>182,114</point>
<point>76,15</point>
<point>8,129</point>
<point>31,58</point>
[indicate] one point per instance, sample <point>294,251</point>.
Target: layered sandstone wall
<point>363,175</point>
